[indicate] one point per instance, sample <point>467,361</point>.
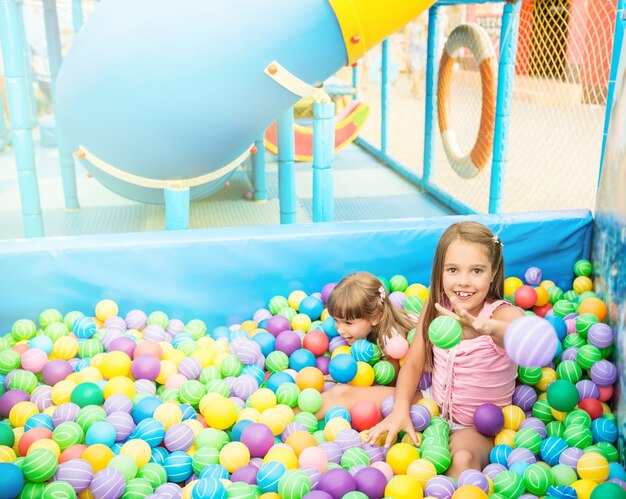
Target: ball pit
<point>147,404</point>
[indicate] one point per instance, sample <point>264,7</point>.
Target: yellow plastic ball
<point>187,491</point>
<point>469,492</point>
<point>301,322</point>
<point>168,414</point>
<point>262,399</point>
<point>220,347</point>
<point>286,411</point>
<point>324,315</point>
<point>542,296</point>
<point>167,369</point>
<point>98,455</point>
<point>505,436</point>
<point>431,405</point>
<point>364,375</point>
<point>581,284</point>
<point>558,415</point>
<point>138,449</point>
<point>221,414</point>
<point>547,284</point>
<point>204,355</point>
<point>115,364</point>
<point>511,284</point>
<point>74,378</point>
<point>96,360</point>
<point>65,348</point>
<point>274,420</point>
<point>195,425</point>
<point>21,412</point>
<point>17,433</point>
<point>400,456</point>
<point>248,326</point>
<point>90,374</point>
<point>584,488</point>
<point>422,470</point>
<point>593,466</point>
<point>45,443</point>
<point>339,350</point>
<point>295,298</point>
<point>62,391</point>
<point>119,384</point>
<point>270,495</point>
<point>548,375</point>
<point>49,411</point>
<point>206,401</point>
<point>249,413</point>
<point>417,290</point>
<point>513,417</point>
<point>234,455</point>
<point>205,341</point>
<point>404,487</point>
<point>106,309</point>
<point>300,440</point>
<point>334,426</point>
<point>283,454</point>
<point>7,454</point>
<point>174,356</point>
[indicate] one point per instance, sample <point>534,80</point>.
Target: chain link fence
<point>558,104</point>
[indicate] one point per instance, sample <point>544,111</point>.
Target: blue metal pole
<point>506,75</point>
<point>323,156</point>
<point>286,167</point>
<point>34,113</point>
<point>355,80</point>
<point>384,95</point>
<point>618,40</point>
<point>258,170</point>
<point>432,72</point>
<point>17,94</point>
<point>66,160</point>
<point>177,208</point>
<point>77,15</point>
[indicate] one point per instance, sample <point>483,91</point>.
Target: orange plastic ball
<point>593,305</point>
<point>148,347</point>
<point>310,377</point>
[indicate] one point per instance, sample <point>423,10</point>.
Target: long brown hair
<point>358,296</point>
<point>470,232</point>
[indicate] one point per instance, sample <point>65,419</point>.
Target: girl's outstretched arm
<point>406,386</point>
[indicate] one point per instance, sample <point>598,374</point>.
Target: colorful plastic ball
<point>531,341</point>
<point>178,466</point>
<point>603,430</point>
<point>85,394</point>
<point>77,472</point>
<point>608,490</point>
<point>337,482</point>
<point>371,482</point>
<point>562,395</point>
<point>603,373</point>
<point>364,415</point>
<point>525,296</point>
<point>108,483</point>
<point>593,466</point>
<point>400,456</point>
<point>343,368</point>
<point>397,347</point>
<point>294,484</point>
<point>55,371</point>
<point>145,366</point>
<point>591,406</point>
<point>34,360</point>
<point>311,306</point>
<point>315,341</point>
<point>404,487</point>
<point>488,419</point>
<point>595,306</point>
<point>445,332</point>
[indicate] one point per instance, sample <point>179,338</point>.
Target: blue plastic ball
<point>235,433</point>
<point>277,379</point>
<point>158,455</point>
<point>267,342</point>
<point>552,448</point>
<point>342,368</point>
<point>42,343</point>
<point>269,475</point>
<point>603,430</point>
<point>255,371</point>
<point>221,332</point>
<point>188,412</point>
<point>39,421</point>
<point>362,350</point>
<point>558,324</point>
<point>337,412</point>
<point>301,358</point>
<point>101,432</point>
<point>84,327</point>
<point>11,480</point>
<point>500,454</point>
<point>311,306</point>
<point>216,471</point>
<point>150,430</point>
<point>328,326</point>
<point>145,408</point>
<point>562,492</point>
<point>178,466</point>
<point>209,488</point>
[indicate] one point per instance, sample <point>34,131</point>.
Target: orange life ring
<point>474,38</point>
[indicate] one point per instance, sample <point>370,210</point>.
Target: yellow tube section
<point>366,23</point>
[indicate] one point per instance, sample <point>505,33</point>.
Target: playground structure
<point>80,271</point>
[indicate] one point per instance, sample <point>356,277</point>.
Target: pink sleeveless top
<point>474,372</point>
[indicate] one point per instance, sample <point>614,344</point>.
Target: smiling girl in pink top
<point>467,283</point>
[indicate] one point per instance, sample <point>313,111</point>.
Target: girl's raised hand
<point>392,425</point>
<point>467,320</point>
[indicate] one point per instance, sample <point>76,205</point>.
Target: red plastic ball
<point>591,406</point>
<point>525,296</point>
<point>316,342</point>
<point>364,415</point>
<point>30,437</point>
<point>543,310</point>
<point>606,392</point>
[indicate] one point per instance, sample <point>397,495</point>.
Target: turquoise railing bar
<point>323,157</point>
<point>286,167</point>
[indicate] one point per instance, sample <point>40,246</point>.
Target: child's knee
<point>464,459</point>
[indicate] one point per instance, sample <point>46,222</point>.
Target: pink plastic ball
<point>34,360</point>
<point>397,347</point>
<point>55,371</point>
<point>384,467</point>
<point>175,380</point>
<point>525,296</point>
<point>313,457</point>
<point>123,344</point>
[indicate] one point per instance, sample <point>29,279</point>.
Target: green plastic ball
<point>562,395</point>
<point>445,332</point>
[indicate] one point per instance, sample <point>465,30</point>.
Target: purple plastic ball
<point>178,437</point>
<point>488,419</point>
<point>587,389</point>
<point>288,342</point>
<point>336,342</point>
<point>145,366</point>
<point>425,381</point>
<point>154,333</point>
<point>535,424</point>
<point>420,417</point>
<point>603,373</point>
<point>108,483</point>
<point>258,438</point>
<point>10,398</point>
<point>524,397</point>
<point>261,315</point>
<point>42,397</point>
<point>520,455</point>
<point>474,477</point>
<point>570,456</point>
<point>374,452</point>
<point>246,474</point>
<point>277,324</point>
<point>123,424</point>
<point>387,406</point>
<point>531,341</point>
<point>55,371</point>
<point>123,344</point>
<point>337,482</point>
<point>440,487</point>
<point>64,412</point>
<point>371,482</point>
<point>600,335</point>
<point>174,327</point>
<point>77,472</point>
<point>317,494</point>
<point>190,367</point>
<point>492,470</point>
<point>136,319</point>
<point>397,298</point>
<point>569,354</point>
<point>322,364</point>
<point>533,276</point>
<point>332,451</point>
<point>326,290</point>
<point>346,439</point>
<point>118,402</point>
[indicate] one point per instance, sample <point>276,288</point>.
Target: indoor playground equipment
<point>166,130</point>
<point>348,124</point>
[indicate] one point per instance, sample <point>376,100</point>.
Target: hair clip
<point>496,240</point>
<point>381,292</point>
